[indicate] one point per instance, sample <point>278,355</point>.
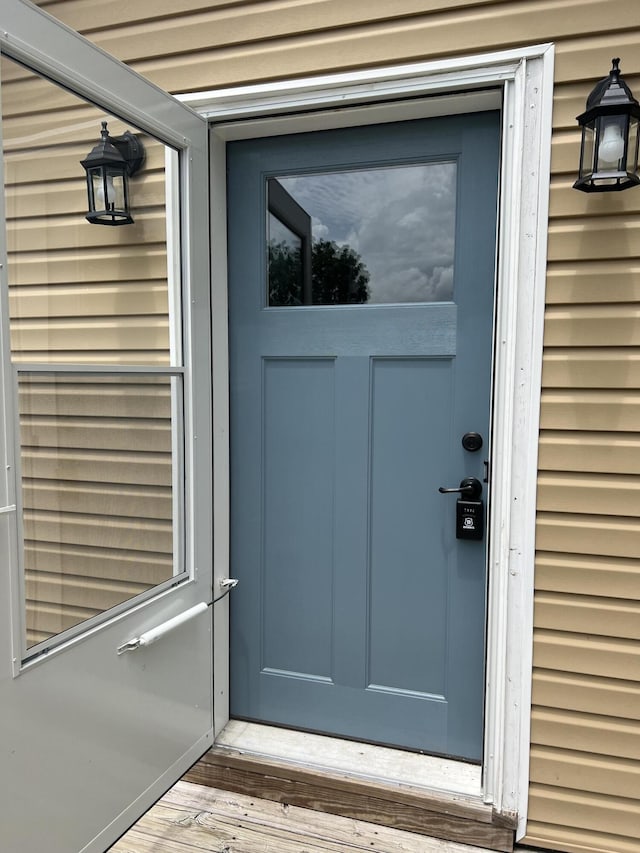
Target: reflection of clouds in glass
<point>319,230</point>
<point>401,220</point>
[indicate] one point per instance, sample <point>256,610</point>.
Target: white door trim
<point>523,78</point>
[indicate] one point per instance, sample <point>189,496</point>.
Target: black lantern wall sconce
<point>109,166</point>
<point>609,150</point>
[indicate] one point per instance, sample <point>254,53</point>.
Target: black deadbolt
<point>472,441</point>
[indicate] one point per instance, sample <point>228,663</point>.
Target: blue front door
<point>361,286</point>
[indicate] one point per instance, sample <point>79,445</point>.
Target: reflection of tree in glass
<point>285,274</point>
<point>338,275</point>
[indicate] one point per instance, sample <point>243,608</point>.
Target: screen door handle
<point>154,634</point>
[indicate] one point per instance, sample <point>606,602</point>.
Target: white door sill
<point>360,760</point>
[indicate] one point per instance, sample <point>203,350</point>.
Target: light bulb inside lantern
<point>611,147</point>
<point>111,194</point>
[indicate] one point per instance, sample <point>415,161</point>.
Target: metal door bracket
<point>226,585</point>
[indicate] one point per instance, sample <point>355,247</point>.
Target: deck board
<point>193,818</point>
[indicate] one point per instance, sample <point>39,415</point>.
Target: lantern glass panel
<point>588,150</point>
<point>93,183</point>
<point>116,194</point>
<point>107,192</point>
<point>632,149</point>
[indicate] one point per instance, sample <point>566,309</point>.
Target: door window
<point>97,362</point>
<point>373,236</point>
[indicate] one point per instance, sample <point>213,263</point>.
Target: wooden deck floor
<point>193,818</point>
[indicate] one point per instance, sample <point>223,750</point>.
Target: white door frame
<point>522,80</point>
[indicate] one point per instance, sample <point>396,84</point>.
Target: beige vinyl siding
<point>585,789</point>
<point>585,761</point>
<point>96,451</point>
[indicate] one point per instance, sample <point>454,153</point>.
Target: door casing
<point>521,81</point>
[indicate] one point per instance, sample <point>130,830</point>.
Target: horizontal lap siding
<point>235,43</point>
<point>584,768</point>
<point>585,762</point>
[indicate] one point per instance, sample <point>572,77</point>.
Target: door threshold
<point>363,761</point>
<point>433,797</point>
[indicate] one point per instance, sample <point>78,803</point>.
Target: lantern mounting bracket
<point>131,149</point>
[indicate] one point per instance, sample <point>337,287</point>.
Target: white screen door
<point>105,493</point>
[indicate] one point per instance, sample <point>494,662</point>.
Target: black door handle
<point>470,487</point>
